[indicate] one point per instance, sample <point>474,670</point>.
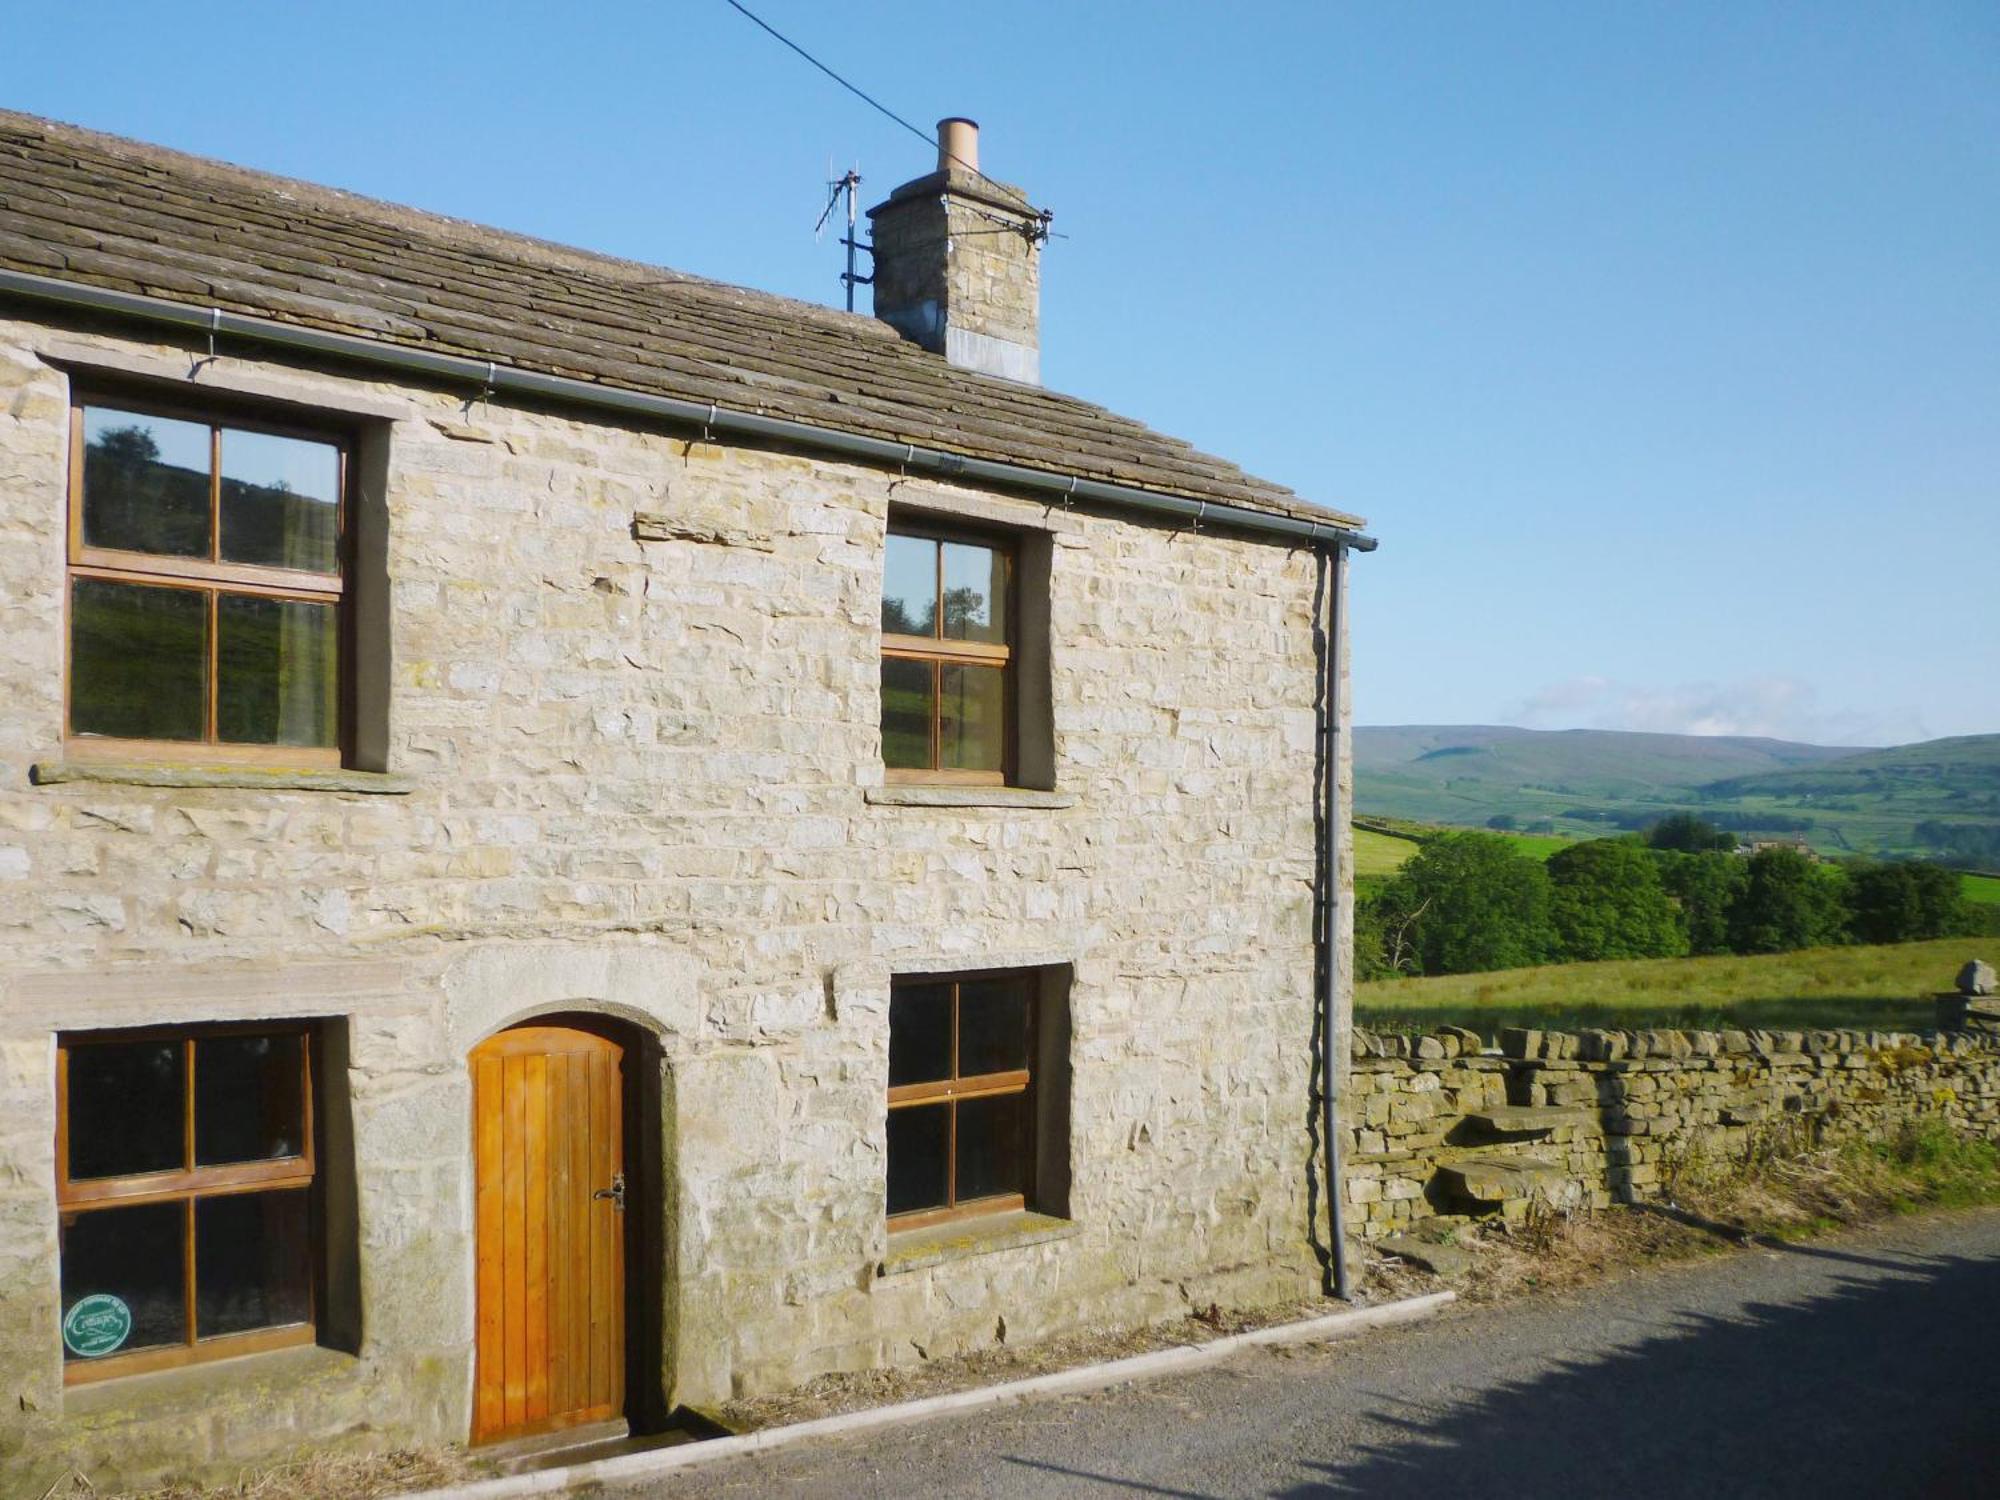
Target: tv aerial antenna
<point>845,187</point>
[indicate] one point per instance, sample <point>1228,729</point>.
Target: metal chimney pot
<point>958,144</point>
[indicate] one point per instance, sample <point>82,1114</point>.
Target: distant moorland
<point>1936,800</point>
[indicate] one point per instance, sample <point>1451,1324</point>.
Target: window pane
<point>280,501</point>
<point>907,689</point>
<point>909,586</point>
<point>145,483</point>
<point>125,1110</point>
<point>992,1026</point>
<point>252,1263</point>
<point>128,1262</point>
<point>917,1148</point>
<point>975,593</point>
<point>249,1102</point>
<point>919,1033</point>
<point>992,1147</point>
<point>276,671</point>
<point>137,661</point>
<point>972,728</point>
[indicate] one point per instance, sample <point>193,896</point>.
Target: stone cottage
<point>576,840</point>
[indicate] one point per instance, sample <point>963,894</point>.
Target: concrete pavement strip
<point>629,1466</point>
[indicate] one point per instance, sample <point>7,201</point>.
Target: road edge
<point>1347,1323</point>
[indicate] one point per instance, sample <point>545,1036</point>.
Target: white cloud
<point>1782,708</point>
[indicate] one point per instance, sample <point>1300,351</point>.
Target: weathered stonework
<point>958,271</point>
<point>631,710</point>
<point>1440,1125</point>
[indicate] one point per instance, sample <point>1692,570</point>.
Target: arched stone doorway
<point>559,1188</point>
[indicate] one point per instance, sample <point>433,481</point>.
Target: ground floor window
<point>962,1086</point>
<point>186,1178</point>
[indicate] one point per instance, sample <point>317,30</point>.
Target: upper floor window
<point>948,647</point>
<point>206,586</point>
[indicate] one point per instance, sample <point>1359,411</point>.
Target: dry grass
<point>329,1476</point>
<point>1791,1186</point>
<point>831,1395</point>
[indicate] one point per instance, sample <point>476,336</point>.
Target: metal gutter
<point>490,375</point>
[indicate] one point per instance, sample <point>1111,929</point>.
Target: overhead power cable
<point>869,99</point>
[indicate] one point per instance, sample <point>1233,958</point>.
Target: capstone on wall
<point>638,776</point>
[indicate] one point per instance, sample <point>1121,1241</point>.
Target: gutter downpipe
<point>1334,917</point>
<point>491,377</point>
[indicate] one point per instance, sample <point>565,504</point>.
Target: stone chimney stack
<point>958,263</point>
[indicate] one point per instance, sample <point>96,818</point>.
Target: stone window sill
<point>197,1388</point>
<point>904,795</point>
<point>273,778</point>
<point>918,1249</point>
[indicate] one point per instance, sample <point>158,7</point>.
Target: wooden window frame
<point>938,652</point>
<point>956,1089</point>
<point>211,577</point>
<point>188,1185</point>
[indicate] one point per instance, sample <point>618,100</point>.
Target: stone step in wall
<point>1445,1124</point>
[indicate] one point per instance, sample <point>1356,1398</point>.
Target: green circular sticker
<point>96,1325</point>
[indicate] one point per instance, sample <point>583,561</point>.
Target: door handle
<point>616,1192</point>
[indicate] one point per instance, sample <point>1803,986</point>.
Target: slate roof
<point>85,207</point>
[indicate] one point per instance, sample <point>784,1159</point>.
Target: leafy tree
<point>1607,902</point>
<point>1470,902</point>
<point>1788,902</point>
<point>1687,834</point>
<point>1503,822</point>
<point>1703,888</point>
<point>1381,949</point>
<point>1901,903</point>
<point>1976,844</point>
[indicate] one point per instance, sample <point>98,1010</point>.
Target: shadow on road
<point>1882,1388</point>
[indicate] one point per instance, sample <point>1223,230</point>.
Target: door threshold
<point>589,1445</point>
<point>509,1455</point>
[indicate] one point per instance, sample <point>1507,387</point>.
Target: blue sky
<point>1659,343</point>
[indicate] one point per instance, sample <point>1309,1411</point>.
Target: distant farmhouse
<point>575,840</point>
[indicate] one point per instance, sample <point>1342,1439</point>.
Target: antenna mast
<point>850,278</point>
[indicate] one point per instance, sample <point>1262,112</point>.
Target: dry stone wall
<point>1444,1125</point>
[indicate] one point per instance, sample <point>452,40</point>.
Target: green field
<point>1881,988</point>
<point>1983,890</point>
<point>1379,853</point>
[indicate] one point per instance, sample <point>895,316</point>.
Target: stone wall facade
<point>636,771</point>
<point>1442,1125</point>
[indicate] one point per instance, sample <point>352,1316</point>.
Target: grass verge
<point>1789,1188</point>
<point>1882,988</point>
<point>330,1476</point>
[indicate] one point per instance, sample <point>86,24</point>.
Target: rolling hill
<point>1942,796</point>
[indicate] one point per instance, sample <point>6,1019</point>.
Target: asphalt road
<point>1867,1366</point>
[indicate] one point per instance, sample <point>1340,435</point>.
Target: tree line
<point>1466,902</point>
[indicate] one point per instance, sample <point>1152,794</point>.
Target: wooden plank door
<point>548,1128</point>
